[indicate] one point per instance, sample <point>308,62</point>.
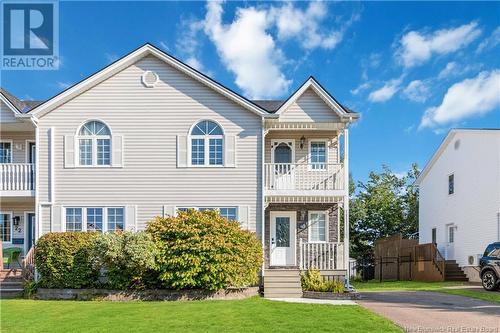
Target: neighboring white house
<point>149,135</point>
<point>459,199</point>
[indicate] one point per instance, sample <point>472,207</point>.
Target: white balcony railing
<point>17,177</point>
<point>301,176</point>
<point>322,256</point>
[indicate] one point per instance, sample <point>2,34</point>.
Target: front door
<point>31,230</point>
<point>283,230</point>
<point>283,157</point>
<point>450,242</point>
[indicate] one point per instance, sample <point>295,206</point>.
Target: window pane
<point>103,151</point>
<point>85,151</point>
<point>197,151</point>
<point>5,152</point>
<point>229,213</point>
<point>317,227</point>
<point>318,155</point>
<point>451,184</point>
<point>282,232</point>
<point>115,219</point>
<point>73,219</point>
<point>94,128</point>
<point>94,219</point>
<point>5,221</point>
<point>215,146</point>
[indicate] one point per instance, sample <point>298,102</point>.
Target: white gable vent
<point>149,79</point>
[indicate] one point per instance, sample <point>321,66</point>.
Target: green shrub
<point>29,288</point>
<point>204,250</point>
<point>312,280</point>
<point>63,260</point>
<point>128,258</point>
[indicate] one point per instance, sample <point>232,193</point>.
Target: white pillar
<point>346,203</point>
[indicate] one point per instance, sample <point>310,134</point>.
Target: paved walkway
<point>422,311</point>
<point>314,301</point>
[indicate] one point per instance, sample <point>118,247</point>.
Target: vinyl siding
<point>149,119</point>
<point>309,108</point>
<point>6,114</point>
<point>18,138</point>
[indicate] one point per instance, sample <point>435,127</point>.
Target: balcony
<point>17,179</point>
<point>302,179</point>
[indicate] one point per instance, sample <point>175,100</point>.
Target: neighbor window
<point>317,226</point>
<point>94,142</point>
<point>207,144</point>
<point>317,151</point>
<point>231,213</point>
<point>100,219</point>
<point>5,152</point>
<point>5,227</point>
<point>434,231</point>
<point>451,184</point>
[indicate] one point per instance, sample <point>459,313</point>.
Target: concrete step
<point>11,284</point>
<point>294,285</point>
<point>282,272</point>
<point>285,278</point>
<point>11,293</point>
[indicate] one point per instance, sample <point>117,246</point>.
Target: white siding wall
<point>474,206</point>
<point>149,119</point>
<point>309,108</point>
<point>6,114</point>
<point>18,141</point>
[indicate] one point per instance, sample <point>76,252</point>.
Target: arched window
<point>207,144</point>
<point>94,144</point>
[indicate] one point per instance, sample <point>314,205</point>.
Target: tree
<point>384,205</point>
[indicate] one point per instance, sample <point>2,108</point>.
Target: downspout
<point>346,207</point>
<point>263,200</point>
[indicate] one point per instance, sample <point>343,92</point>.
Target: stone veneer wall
<point>332,209</point>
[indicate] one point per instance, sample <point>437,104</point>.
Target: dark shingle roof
<point>24,106</point>
<point>270,106</point>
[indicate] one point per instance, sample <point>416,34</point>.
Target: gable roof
<point>18,106</point>
<point>449,137</point>
<point>143,51</point>
<point>271,106</point>
<point>311,82</point>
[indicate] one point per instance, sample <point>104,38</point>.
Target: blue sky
<point>413,70</point>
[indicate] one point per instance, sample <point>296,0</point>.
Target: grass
<point>249,315</point>
<point>441,287</point>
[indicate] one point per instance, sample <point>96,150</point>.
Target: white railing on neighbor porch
<point>322,256</point>
<point>17,177</point>
<point>303,176</point>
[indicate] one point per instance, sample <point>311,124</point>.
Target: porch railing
<point>322,256</point>
<point>17,177</point>
<point>303,176</point>
<point>28,265</point>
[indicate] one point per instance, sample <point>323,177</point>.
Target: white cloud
<point>188,43</point>
<point>450,68</point>
<point>385,92</point>
<point>360,88</point>
<point>475,96</point>
<point>111,57</point>
<point>248,50</point>
<point>416,48</point>
<point>492,41</point>
<point>63,85</point>
<point>163,45</point>
<point>417,91</point>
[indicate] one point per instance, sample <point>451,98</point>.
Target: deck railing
<point>322,256</point>
<point>303,176</point>
<point>28,265</point>
<point>17,177</point>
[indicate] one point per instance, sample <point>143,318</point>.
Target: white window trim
<point>448,228</point>
<point>448,184</point>
<point>309,226</point>
<point>28,151</point>
<point>276,142</point>
<point>216,207</point>
<point>94,139</point>
<point>11,214</point>
<point>84,216</point>
<point>309,154</point>
<point>11,150</point>
<point>206,139</point>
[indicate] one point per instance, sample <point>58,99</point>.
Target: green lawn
<point>442,287</point>
<point>250,315</point>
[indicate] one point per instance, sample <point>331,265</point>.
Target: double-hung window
<point>6,227</point>
<point>94,144</point>
<point>318,226</point>
<point>231,213</point>
<point>451,184</point>
<point>102,219</point>
<point>207,144</point>
<point>5,152</point>
<point>318,154</point>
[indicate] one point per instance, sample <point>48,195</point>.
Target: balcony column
<point>346,204</point>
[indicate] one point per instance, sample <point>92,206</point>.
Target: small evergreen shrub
<point>204,250</point>
<point>312,280</point>
<point>63,260</point>
<point>127,258</point>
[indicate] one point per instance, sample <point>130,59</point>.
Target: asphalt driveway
<point>422,311</point>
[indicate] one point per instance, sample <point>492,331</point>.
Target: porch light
<point>302,142</point>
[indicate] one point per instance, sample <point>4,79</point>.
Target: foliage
<point>29,288</point>
<point>63,260</point>
<point>204,250</point>
<point>384,205</point>
<point>312,280</point>
<point>128,258</point>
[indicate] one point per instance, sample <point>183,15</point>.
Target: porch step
<point>453,272</point>
<point>282,283</point>
<point>11,283</point>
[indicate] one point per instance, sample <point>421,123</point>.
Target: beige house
<point>149,135</point>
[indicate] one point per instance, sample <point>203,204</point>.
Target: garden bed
<point>330,295</point>
<point>144,295</point>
